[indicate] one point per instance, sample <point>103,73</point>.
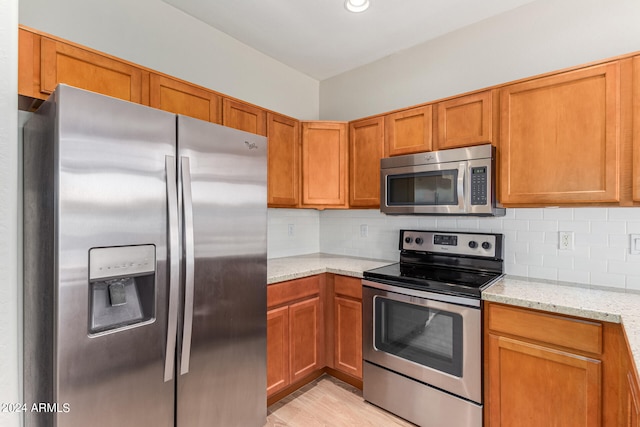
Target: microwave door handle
<point>461,194</point>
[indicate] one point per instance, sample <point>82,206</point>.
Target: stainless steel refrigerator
<point>145,267</point>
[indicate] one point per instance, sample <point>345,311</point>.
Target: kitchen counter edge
<point>590,302</point>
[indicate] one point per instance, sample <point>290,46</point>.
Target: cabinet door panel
<point>348,336</point>
<point>366,147</point>
<point>277,349</point>
<point>304,329</point>
<point>63,63</point>
<point>324,164</point>
<point>531,385</point>
<point>636,129</point>
<point>559,138</point>
<point>465,121</point>
<point>248,118</point>
<point>409,131</point>
<point>181,98</point>
<point>283,161</point>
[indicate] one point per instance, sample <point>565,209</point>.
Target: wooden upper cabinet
<point>409,131</point>
<point>74,66</point>
<point>559,138</point>
<point>636,129</point>
<point>324,164</point>
<point>29,64</point>
<point>248,118</point>
<point>465,121</point>
<point>366,148</point>
<point>283,161</point>
<point>182,98</point>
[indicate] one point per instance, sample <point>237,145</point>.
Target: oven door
<point>435,342</point>
<point>435,188</point>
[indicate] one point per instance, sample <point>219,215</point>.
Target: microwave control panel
<point>479,185</point>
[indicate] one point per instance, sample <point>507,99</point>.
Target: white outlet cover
<point>635,244</point>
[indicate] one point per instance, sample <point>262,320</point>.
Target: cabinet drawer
<point>292,290</point>
<point>580,335</point>
<point>348,286</point>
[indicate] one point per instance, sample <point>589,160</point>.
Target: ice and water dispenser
<point>122,286</point>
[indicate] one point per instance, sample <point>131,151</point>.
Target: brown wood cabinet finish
<point>366,148</point>
<point>347,327</point>
<point>283,161</point>
<point>409,131</point>
<point>560,141</point>
<point>465,121</point>
<point>533,385</point>
<point>636,129</point>
<point>632,415</point>
<point>248,118</point>
<point>182,98</point>
<point>277,349</point>
<point>324,164</point>
<point>305,337</point>
<point>64,63</point>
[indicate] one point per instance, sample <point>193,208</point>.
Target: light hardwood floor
<point>328,402</point>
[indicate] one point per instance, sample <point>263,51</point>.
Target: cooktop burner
<point>452,263</point>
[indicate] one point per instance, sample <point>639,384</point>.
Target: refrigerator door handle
<point>187,204</point>
<point>174,267</point>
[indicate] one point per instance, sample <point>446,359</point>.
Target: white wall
<point>293,232</point>
<point>600,256</point>
<point>542,36</point>
<point>156,35</point>
<point>9,225</point>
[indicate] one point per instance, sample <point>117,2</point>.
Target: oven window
<point>425,188</point>
<point>420,334</point>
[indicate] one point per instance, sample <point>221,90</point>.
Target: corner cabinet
<point>324,165</point>
<point>366,148</point>
<point>284,161</point>
<point>295,333</point>
<point>547,369</point>
<point>560,140</point>
<point>409,131</point>
<point>347,312</point>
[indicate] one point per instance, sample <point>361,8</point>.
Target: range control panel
<point>452,243</point>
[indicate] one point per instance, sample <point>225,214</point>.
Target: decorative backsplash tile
<point>601,239</point>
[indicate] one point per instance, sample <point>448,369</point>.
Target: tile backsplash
<point>600,254</point>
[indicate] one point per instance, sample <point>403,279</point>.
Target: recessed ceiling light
<point>356,5</point>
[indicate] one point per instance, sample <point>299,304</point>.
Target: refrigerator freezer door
<point>101,181</point>
<point>227,362</point>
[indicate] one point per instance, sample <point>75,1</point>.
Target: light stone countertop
<point>295,267</point>
<point>596,303</point>
<point>609,305</point>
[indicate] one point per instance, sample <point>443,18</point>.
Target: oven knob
<point>486,245</point>
<point>407,239</point>
<point>473,244</point>
<point>419,240</point>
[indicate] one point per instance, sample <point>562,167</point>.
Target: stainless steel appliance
<point>460,181</point>
<point>145,267</point>
<point>422,327</point>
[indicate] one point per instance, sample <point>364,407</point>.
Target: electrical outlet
<point>565,240</point>
<point>290,230</point>
<point>635,244</point>
<point>364,230</point>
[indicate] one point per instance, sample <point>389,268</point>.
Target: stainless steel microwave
<point>459,181</point>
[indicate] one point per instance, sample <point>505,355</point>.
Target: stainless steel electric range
<point>422,324</point>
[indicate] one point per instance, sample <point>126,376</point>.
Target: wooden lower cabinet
<point>545,369</point>
<point>295,332</point>
<point>347,327</point>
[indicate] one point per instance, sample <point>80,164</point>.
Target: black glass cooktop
<point>434,279</point>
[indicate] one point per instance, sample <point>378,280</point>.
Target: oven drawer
<point>575,334</point>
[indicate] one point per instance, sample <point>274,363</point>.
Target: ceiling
<point>322,39</point>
